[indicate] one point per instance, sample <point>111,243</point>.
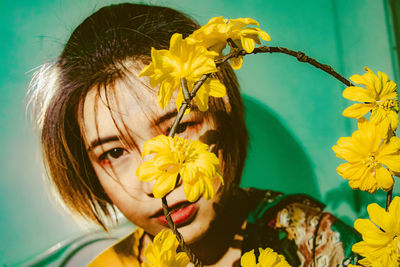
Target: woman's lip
<point>182,215</point>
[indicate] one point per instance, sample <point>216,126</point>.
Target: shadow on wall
<point>357,199</point>
<point>275,159</point>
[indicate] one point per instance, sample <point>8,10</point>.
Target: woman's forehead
<point>127,104</point>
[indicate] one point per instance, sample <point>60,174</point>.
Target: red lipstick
<point>181,214</point>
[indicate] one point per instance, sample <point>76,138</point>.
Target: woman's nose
<point>148,188</point>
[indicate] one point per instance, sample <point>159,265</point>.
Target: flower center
<point>371,161</point>
<point>180,148</point>
<point>394,248</point>
<point>389,104</point>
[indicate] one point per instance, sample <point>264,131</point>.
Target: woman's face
<point>133,111</point>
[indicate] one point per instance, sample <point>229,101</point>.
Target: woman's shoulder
<point>298,227</point>
<point>123,253</point>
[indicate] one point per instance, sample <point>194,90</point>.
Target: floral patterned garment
<point>296,227</point>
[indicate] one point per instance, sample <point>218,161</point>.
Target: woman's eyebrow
<point>166,116</point>
<point>102,140</point>
<point>170,115</point>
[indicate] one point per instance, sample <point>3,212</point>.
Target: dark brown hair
<point>95,55</point>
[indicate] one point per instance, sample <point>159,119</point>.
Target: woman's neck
<point>222,244</point>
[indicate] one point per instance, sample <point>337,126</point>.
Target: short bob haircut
<point>96,55</point>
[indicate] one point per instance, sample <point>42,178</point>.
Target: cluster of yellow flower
<point>162,252</point>
<point>267,258</point>
<point>381,236</point>
<point>194,56</point>
<point>186,61</point>
<point>372,152</point>
<point>196,166</point>
<point>189,59</point>
<point>373,155</point>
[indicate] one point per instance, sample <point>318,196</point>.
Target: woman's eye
<point>112,154</point>
<point>182,127</point>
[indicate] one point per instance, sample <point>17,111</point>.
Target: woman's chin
<point>193,232</point>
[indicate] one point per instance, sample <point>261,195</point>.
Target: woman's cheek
<point>121,171</point>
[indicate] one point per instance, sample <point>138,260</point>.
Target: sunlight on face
<point>116,123</point>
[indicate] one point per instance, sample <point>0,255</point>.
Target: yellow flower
<point>379,95</point>
<point>267,258</point>
<point>368,157</point>
<point>215,33</point>
<point>175,155</point>
<point>162,252</point>
<point>183,60</point>
<point>381,236</point>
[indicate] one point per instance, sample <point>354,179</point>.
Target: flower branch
<point>186,104</point>
<point>302,57</point>
<point>389,197</point>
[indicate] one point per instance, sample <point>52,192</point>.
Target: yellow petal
<point>377,115</point>
<point>201,99</point>
<point>359,94</point>
<point>164,185</point>
<point>379,216</point>
<point>393,118</point>
<point>188,172</point>
<point>236,62</point>
<point>351,171</point>
<point>215,88</point>
<point>358,79</point>
<point>392,147</point>
<point>357,110</point>
<point>394,213</point>
<point>248,259</point>
<point>347,150</point>
<point>263,35</point>
<point>181,260</point>
<point>165,92</point>
<point>216,20</point>
<point>163,61</point>
<point>247,43</point>
<point>147,171</point>
<point>208,186</point>
<point>242,22</point>
<point>384,178</point>
<point>192,190</point>
<point>155,145</point>
<point>391,161</point>
<point>147,70</point>
<point>165,161</point>
<point>202,62</point>
<point>370,233</point>
<point>367,182</point>
<point>176,44</point>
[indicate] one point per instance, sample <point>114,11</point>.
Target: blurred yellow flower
<point>183,60</point>
<point>175,155</point>
<point>381,236</point>
<point>267,258</point>
<point>368,157</point>
<point>379,96</point>
<point>162,252</point>
<point>215,33</point>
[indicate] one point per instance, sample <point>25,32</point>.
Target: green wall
<point>294,110</point>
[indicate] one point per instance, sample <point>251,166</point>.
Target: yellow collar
<point>122,254</point>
